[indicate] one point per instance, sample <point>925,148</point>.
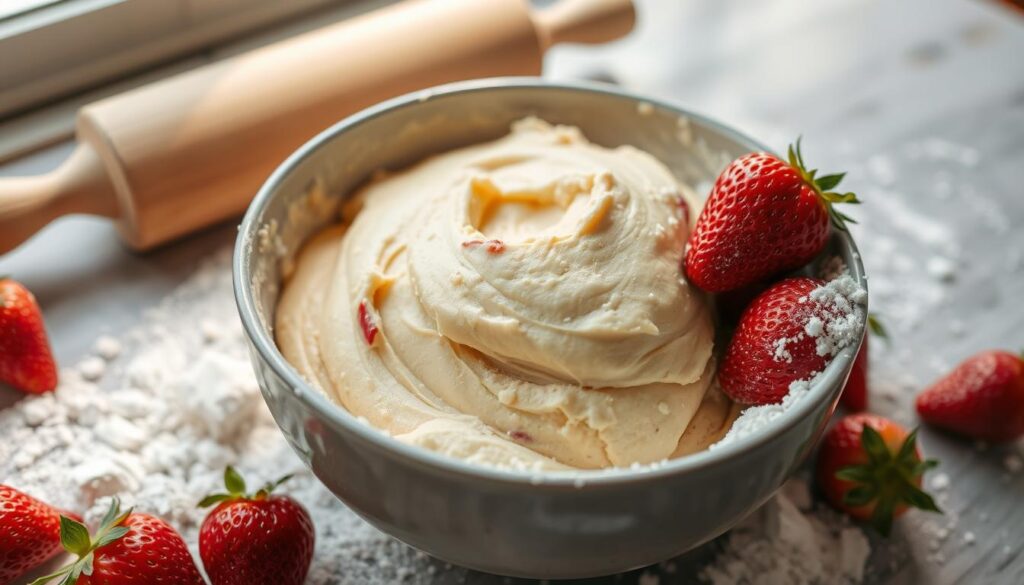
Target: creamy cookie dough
<point>517,303</point>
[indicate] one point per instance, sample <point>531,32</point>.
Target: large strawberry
<point>128,549</point>
<point>29,533</point>
<point>855,395</point>
<point>26,361</point>
<point>982,398</point>
<point>255,538</point>
<point>870,468</point>
<point>764,216</point>
<point>770,348</point>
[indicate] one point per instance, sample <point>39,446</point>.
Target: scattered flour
<point>155,416</point>
<point>107,347</point>
<point>92,368</point>
<point>790,541</point>
<point>940,481</point>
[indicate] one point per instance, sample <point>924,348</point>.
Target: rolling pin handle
<point>584,21</point>
<point>27,204</point>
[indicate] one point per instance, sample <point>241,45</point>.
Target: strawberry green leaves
<point>75,538</point>
<point>823,186</point>
<point>235,485</point>
<point>234,482</point>
<point>888,480</point>
<point>876,327</point>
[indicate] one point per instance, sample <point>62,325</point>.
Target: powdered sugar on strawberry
<point>838,326</point>
<point>842,301</point>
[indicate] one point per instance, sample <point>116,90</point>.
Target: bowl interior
<point>303,195</point>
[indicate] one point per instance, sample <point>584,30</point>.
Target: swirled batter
<point>517,303</point>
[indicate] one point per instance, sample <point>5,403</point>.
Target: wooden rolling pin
<point>183,153</point>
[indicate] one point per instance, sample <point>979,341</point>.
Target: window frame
<point>56,50</point>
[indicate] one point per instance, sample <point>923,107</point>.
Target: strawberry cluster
<point>765,217</point>
<point>247,538</point>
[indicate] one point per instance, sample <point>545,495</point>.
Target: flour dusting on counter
<point>791,540</point>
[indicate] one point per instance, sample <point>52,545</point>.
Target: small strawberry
<point>770,349</point>
<point>855,395</point>
<point>764,216</point>
<point>29,533</point>
<point>128,549</point>
<point>259,538</point>
<point>982,398</point>
<point>870,468</point>
<point>26,361</point>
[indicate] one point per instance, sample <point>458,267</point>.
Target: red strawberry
<point>764,216</point>
<point>870,468</point>
<point>259,538</point>
<point>128,549</point>
<point>982,398</point>
<point>29,533</point>
<point>26,361</point>
<point>855,395</point>
<point>755,370</point>
<point>730,305</point>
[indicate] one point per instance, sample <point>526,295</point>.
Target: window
<point>57,55</point>
<point>51,48</point>
<point>16,7</point>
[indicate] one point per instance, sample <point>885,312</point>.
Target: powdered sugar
<point>757,418</point>
<point>172,405</point>
<point>843,300</point>
<point>790,541</point>
<point>782,354</point>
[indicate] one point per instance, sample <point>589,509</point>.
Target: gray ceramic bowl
<point>557,525</point>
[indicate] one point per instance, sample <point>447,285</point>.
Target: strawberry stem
<point>235,485</point>
<point>889,480</point>
<point>823,186</point>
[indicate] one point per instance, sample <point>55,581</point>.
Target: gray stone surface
<point>922,101</point>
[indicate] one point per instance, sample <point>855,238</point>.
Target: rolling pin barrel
<point>186,152</point>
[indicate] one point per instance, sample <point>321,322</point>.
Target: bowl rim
<point>318,402</point>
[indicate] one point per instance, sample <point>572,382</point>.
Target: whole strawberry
<point>982,398</point>
<point>128,549</point>
<point>770,348</point>
<point>26,361</point>
<point>870,468</point>
<point>764,216</point>
<point>29,533</point>
<point>258,538</point>
<point>855,395</point>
